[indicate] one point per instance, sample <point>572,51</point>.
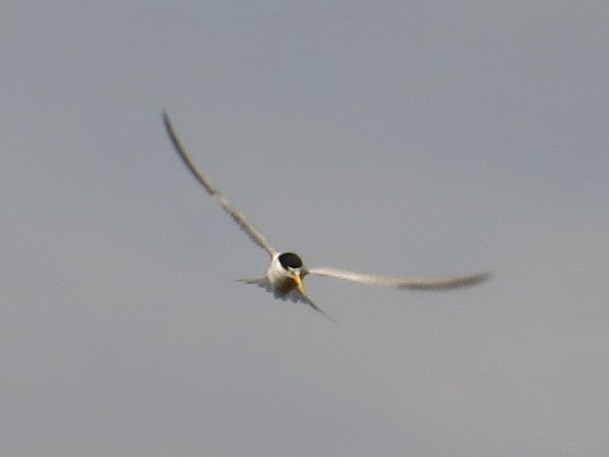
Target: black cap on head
<point>290,260</point>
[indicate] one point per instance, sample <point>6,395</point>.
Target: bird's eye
<point>290,260</point>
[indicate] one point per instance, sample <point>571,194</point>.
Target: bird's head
<point>292,264</point>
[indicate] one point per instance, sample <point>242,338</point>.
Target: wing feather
<point>254,234</point>
<point>433,283</point>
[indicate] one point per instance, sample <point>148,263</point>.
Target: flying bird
<point>286,272</point>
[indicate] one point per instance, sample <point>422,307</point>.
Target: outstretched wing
<point>233,212</point>
<point>434,283</point>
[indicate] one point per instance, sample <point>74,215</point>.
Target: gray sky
<point>425,137</point>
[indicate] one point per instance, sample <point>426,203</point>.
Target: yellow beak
<point>298,282</point>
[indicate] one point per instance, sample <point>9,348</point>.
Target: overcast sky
<point>405,138</point>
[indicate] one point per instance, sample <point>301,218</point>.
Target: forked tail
<point>294,296</point>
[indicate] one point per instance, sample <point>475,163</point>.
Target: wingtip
<point>165,116</point>
<point>485,276</point>
<point>476,278</point>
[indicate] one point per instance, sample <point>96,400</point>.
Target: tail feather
<point>294,295</point>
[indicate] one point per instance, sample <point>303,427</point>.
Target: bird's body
<point>286,271</point>
<point>282,280</point>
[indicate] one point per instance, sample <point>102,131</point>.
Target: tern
<point>286,272</point>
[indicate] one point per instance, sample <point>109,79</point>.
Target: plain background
<point>405,138</point>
